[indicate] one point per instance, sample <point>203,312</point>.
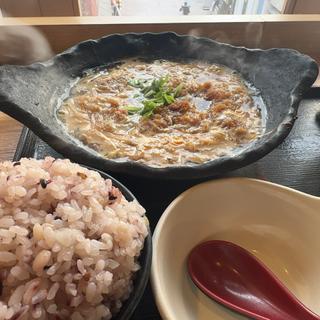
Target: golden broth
<point>163,113</point>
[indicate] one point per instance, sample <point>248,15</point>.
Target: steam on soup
<point>163,113</point>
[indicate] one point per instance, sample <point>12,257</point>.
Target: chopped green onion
<point>132,109</point>
<point>168,98</point>
<point>137,83</point>
<point>157,94</point>
<point>178,90</point>
<point>149,94</point>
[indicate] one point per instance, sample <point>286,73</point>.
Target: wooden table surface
<point>10,130</point>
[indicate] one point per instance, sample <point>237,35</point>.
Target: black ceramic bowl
<point>31,94</point>
<point>141,277</point>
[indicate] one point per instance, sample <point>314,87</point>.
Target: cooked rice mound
<point>69,242</point>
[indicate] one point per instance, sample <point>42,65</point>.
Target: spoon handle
<point>235,278</point>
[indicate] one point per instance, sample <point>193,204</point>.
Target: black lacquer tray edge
<point>26,144</point>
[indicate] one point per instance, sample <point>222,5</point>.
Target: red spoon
<point>234,277</point>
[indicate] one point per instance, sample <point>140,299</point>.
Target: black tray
<point>295,163</point>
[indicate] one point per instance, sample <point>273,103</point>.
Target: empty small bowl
<point>277,224</point>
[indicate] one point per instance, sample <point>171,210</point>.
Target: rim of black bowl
<point>221,164</point>
<point>205,170</point>
<point>141,277</point>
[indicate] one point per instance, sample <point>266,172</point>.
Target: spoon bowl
<point>278,225</point>
<point>234,277</point>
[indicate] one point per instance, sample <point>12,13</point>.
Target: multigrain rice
<point>69,242</point>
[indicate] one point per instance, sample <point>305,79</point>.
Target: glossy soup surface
<point>163,113</point>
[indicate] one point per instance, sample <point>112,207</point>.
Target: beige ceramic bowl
<point>277,224</point>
